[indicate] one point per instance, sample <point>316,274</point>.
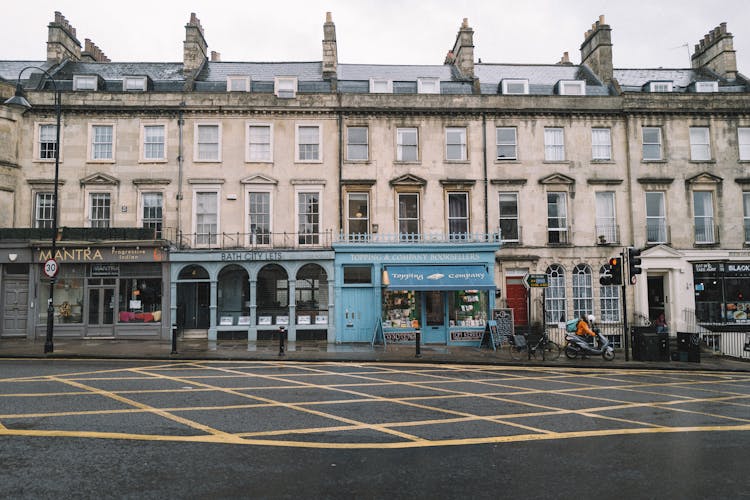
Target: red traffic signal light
<point>614,261</point>
<point>615,264</point>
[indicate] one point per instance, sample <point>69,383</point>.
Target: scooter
<point>579,346</point>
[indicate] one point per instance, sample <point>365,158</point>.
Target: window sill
<point>653,161</point>
<point>111,160</point>
<point>702,162</point>
<point>557,162</point>
<point>401,162</point>
<point>499,161</point>
<point>603,162</point>
<point>713,244</point>
<point>260,162</point>
<point>453,162</point>
<point>206,161</point>
<point>45,160</point>
<point>163,160</point>
<point>309,162</point>
<point>357,162</point>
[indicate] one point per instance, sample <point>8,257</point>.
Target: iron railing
<point>79,233</point>
<point>406,238</point>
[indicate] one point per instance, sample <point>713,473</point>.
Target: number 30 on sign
<point>51,268</point>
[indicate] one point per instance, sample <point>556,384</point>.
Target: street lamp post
<point>19,100</point>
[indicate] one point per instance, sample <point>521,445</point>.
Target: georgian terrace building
<point>232,198</point>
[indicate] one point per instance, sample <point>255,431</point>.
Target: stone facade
<point>558,163</point>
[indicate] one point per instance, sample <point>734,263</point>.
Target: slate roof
<point>9,70</point>
<point>262,71</point>
<point>397,73</point>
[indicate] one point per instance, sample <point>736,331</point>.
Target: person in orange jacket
<point>583,328</point>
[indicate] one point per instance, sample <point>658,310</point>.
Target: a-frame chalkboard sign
<point>378,336</point>
<point>491,337</point>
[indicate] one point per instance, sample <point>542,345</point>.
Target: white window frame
<point>571,87</point>
<point>252,239</point>
<point>366,144</point>
<point>656,224</point>
<point>660,144</point>
<point>311,239</point>
<point>285,87</point>
<point>463,156</point>
<point>601,144</point>
<point>706,221</point>
<point>242,81</point>
<point>555,297</point>
<point>583,290</point>
<point>746,215</point>
<point>353,217</point>
<point>400,218</point>
<point>248,144</point>
<point>706,87</point>
<point>609,301</point>
<point>85,83</point>
<point>513,218</point>
<point>505,144</point>
<point>429,85</point>
<point>90,142</point>
<point>47,211</point>
<point>660,86</point>
<point>142,142</point>
<point>90,208</point>
<point>606,216</point>
<point>562,228</point>
<point>38,141</point>
<point>743,143</point>
<point>512,82</point>
<point>458,219</point>
<point>197,143</point>
<point>142,221</point>
<point>554,144</point>
<point>197,240</point>
<point>700,144</point>
<point>376,85</point>
<point>134,84</point>
<point>400,145</point>
<point>298,150</point>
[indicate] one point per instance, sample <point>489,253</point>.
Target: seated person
<point>661,324</point>
<point>583,328</point>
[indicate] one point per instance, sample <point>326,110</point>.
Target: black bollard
<point>419,346</point>
<point>174,339</point>
<point>282,334</point>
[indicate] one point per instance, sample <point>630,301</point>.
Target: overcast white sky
<point>650,33</point>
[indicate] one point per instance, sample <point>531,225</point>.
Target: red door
<point>515,294</point>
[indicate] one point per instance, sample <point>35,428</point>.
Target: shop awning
<point>438,278</point>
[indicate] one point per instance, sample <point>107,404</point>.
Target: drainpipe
<point>484,166</point>
<point>341,170</point>
<point>180,124</point>
<point>631,236</point>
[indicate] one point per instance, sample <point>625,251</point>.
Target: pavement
<point>313,351</point>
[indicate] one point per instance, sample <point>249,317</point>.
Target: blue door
<point>433,317</point>
<point>359,312</point>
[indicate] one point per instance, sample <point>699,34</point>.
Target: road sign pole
<point>624,288</point>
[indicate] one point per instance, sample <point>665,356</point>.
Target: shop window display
<point>467,308</point>
<point>401,309</point>
<point>140,300</point>
<point>68,297</point>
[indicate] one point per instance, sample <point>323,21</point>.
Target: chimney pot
<point>465,23</point>
<point>601,19</point>
<point>329,17</point>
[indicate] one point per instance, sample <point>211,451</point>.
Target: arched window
<point>273,295</point>
<point>311,292</point>
<point>233,295</point>
<point>555,300</point>
<point>609,301</point>
<point>583,294</point>
<point>193,273</point>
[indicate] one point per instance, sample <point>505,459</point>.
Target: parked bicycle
<point>518,346</point>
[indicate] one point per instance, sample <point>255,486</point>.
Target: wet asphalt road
<point>109,429</point>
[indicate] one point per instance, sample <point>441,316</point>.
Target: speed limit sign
<point>51,268</point>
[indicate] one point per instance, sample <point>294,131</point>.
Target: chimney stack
<point>330,51</point>
<point>716,52</point>
<point>195,47</point>
<point>565,60</point>
<point>462,55</point>
<point>62,43</point>
<point>92,53</point>
<point>215,56</point>
<point>596,50</point>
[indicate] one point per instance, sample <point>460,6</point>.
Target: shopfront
<point>15,267</point>
<point>250,294</point>
<point>112,292</point>
<point>722,293</point>
<point>444,291</point>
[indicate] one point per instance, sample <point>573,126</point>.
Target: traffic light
<point>615,263</point>
<point>634,263</point>
<point>606,275</point>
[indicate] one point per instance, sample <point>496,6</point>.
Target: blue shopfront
<point>446,291</point>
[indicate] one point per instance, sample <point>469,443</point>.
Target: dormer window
<point>84,82</point>
<point>660,86</point>
<point>134,84</point>
<point>238,84</point>
<point>285,87</point>
<point>706,86</point>
<point>428,85</point>
<point>571,87</point>
<point>381,86</point>
<point>512,87</point>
